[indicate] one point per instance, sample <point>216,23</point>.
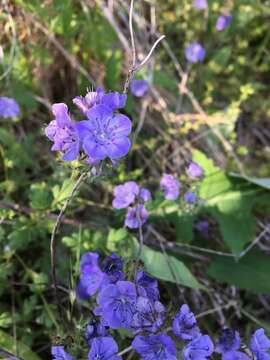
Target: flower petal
<point>119,148</point>
<point>60,111</point>
<point>94,150</point>
<point>120,125</point>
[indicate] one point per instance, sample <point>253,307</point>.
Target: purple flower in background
<point>125,195</point>
<point>155,347</point>
<point>58,353</point>
<point>200,4</point>
<point>8,107</point>
<point>203,227</point>
<point>104,134</point>
<point>113,268</point>
<point>145,195</point>
<point>63,132</point>
<point>190,197</point>
<point>260,345</point>
<point>112,100</point>
<point>229,341</point>
<point>139,87</point>
<point>223,22</point>
<point>104,348</point>
<point>200,348</point>
<point>185,324</point>
<point>117,303</point>
<point>91,276</point>
<point>171,186</point>
<point>149,315</point>
<point>93,330</point>
<point>147,286</point>
<point>194,170</point>
<point>136,216</point>
<point>194,52</point>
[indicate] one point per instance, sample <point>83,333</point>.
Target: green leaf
<point>62,193</point>
<point>6,342</point>
<point>250,273</point>
<point>40,196</point>
<point>168,268</point>
<point>262,182</point>
<point>184,227</point>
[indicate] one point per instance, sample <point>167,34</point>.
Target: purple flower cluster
<point>200,4</point>
<point>135,306</point>
<point>128,194</point>
<point>8,107</point>
<point>139,88</point>
<point>223,22</point>
<point>105,134</point>
<point>170,186</point>
<point>194,52</point>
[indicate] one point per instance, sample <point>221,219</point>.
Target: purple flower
<point>91,276</point>
<point>112,100</point>
<point>147,286</point>
<point>59,353</point>
<point>194,170</point>
<point>260,345</point>
<point>190,197</point>
<point>117,303</point>
<point>235,355</point>
<point>125,195</point>
<point>200,4</point>
<point>63,132</point>
<point>8,107</point>
<point>149,315</point>
<point>185,324</point>
<point>113,268</point>
<point>203,227</point>
<point>194,52</point>
<point>223,22</point>
<point>155,347</point>
<point>228,341</point>
<point>104,348</point>
<point>136,216</point>
<point>104,134</point>
<point>145,195</point>
<point>93,330</point>
<point>171,186</point>
<point>200,348</point>
<point>139,87</point>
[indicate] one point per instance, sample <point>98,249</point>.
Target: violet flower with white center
<point>8,107</point>
<point>117,304</point>
<point>200,348</point>
<point>104,348</point>
<point>113,100</point>
<point>63,132</point>
<point>139,87</point>
<point>155,347</point>
<point>136,216</point>
<point>194,52</point>
<point>149,316</point>
<point>125,194</point>
<point>104,135</point>
<point>223,22</point>
<point>170,186</point>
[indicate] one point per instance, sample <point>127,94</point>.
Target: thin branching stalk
<point>54,232</point>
